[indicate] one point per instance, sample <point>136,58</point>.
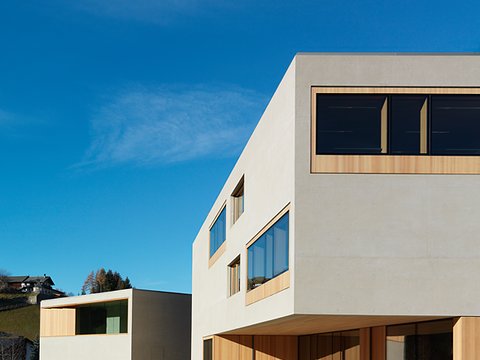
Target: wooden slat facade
<point>362,344</point>
<point>57,322</point>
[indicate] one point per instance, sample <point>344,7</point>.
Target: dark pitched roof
<point>15,279</point>
<point>29,279</point>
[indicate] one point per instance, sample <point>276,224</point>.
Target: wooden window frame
<point>385,163</point>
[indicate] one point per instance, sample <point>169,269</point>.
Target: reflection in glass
<point>218,232</point>
<point>268,256</point>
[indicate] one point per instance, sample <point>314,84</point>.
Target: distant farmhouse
<point>29,284</point>
<point>36,288</point>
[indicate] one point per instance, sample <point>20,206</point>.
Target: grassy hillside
<point>24,321</point>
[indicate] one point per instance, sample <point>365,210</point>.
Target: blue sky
<point>120,120</point>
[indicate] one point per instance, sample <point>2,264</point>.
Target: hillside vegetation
<point>24,321</point>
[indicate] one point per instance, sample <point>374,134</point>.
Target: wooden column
<point>365,340</point>
<point>378,338</point>
<point>466,338</point>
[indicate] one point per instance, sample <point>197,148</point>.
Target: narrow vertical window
<point>207,349</point>
<point>218,232</point>
<point>238,201</point>
<point>408,124</point>
<point>234,276</point>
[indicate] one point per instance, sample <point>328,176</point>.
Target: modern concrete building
<point>349,227</point>
<point>119,325</point>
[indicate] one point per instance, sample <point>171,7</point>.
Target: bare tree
<point>12,348</point>
<point>3,279</point>
<point>89,284</point>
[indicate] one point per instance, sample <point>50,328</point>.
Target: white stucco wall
<point>91,347</point>
<point>384,244</point>
<point>267,162</point>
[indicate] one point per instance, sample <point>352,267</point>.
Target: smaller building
<point>126,324</point>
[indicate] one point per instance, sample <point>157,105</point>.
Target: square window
<point>455,125</point>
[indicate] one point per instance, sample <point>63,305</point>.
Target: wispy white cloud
<point>6,118</point>
<point>156,11</point>
<point>13,124</point>
<point>159,126</point>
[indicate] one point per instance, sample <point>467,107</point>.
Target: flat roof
<point>386,53</point>
<point>106,296</point>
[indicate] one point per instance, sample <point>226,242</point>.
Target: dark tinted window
<point>349,124</point>
<point>405,116</point>
<point>218,232</point>
<point>102,318</point>
<point>207,349</point>
<point>422,341</point>
<point>455,125</point>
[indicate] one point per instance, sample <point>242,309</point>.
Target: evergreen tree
<point>127,284</point>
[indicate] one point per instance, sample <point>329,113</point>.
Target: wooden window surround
<point>218,253</point>
<point>271,287</point>
<point>274,285</point>
<point>391,164</point>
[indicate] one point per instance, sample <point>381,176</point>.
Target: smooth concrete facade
<point>159,326</point>
<point>366,245</point>
<point>401,244</point>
